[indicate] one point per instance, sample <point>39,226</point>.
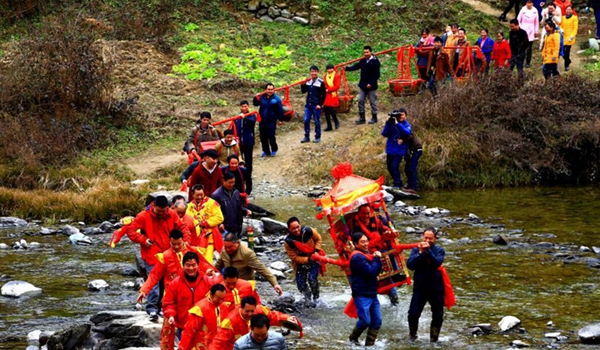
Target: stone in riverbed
<point>584,249</point>
<point>590,334</point>
<point>519,344</point>
<point>410,229</point>
<point>273,226</point>
<point>97,285</point>
<point>16,289</point>
<point>106,226</point>
<point>46,231</point>
<point>3,246</point>
<point>34,336</point>
<point>80,239</point>
<point>593,262</point>
<point>552,335</point>
<point>266,18</point>
<point>69,338</point>
<point>596,250</point>
<point>69,230</point>
<point>508,322</point>
<point>501,240</point>
<point>278,274</point>
<point>473,217</point>
<point>10,221</point>
<point>279,265</point>
<point>284,20</point>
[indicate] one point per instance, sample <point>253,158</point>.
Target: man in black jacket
<point>315,97</point>
<point>369,74</point>
<point>519,42</point>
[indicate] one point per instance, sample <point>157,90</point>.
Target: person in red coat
<point>332,85</point>
<point>204,318</point>
<point>150,229</point>
<point>180,207</point>
<point>237,288</point>
<point>237,323</point>
<point>208,173</point>
<point>183,292</point>
<point>501,53</point>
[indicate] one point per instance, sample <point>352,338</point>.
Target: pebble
<point>410,229</point>
<point>97,285</point>
<point>46,231</point>
<point>584,249</point>
<point>279,265</point>
<point>473,217</point>
<point>552,335</point>
<point>550,324</point>
<point>400,204</point>
<point>519,344</point>
<point>596,250</point>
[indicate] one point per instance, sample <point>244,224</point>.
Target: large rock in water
<point>16,289</point>
<point>125,329</point>
<point>69,338</point>
<point>80,239</point>
<point>10,221</point>
<point>590,334</point>
<point>273,226</point>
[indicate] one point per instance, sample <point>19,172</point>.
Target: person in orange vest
<point>150,229</point>
<point>237,288</point>
<point>428,287</point>
<point>209,216</point>
<point>204,319</point>
<point>171,264</point>
<point>237,323</point>
<point>183,292</point>
<point>364,269</point>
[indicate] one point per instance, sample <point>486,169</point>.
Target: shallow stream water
<point>533,283</point>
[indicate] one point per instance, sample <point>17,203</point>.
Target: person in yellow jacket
<point>570,26</point>
<point>209,216</point>
<point>550,52</point>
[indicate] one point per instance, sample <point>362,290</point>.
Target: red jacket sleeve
<point>192,326</point>
<point>223,340</point>
<point>157,273</point>
<point>137,224</point>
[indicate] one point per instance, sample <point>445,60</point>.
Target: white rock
<point>278,274</point>
<point>508,322</point>
<point>129,284</point>
<point>32,347</point>
<point>519,344</point>
<point>388,197</point>
<point>399,204</point>
<point>473,216</point>
<point>139,182</point>
<point>34,245</point>
<point>80,238</point>
<point>33,336</point>
<point>549,324</point>
<point>596,250</point>
<point>594,44</point>
<point>97,285</point>
<point>279,265</point>
<point>16,289</point>
<point>3,246</point>
<point>410,229</point>
<point>23,243</point>
<point>552,335</point>
<point>584,249</point>
<point>378,3</point>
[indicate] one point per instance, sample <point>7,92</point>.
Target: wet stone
<point>596,250</point>
<point>508,322</point>
<point>501,240</point>
<point>593,262</point>
<point>69,230</point>
<point>10,222</point>
<point>97,285</point>
<point>519,344</point>
<point>590,334</point>
<point>16,289</point>
<point>106,226</point>
<point>584,249</point>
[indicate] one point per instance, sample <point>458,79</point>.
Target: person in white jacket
<point>529,20</point>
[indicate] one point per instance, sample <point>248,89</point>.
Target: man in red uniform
<point>204,319</point>
<point>237,288</point>
<point>237,323</point>
<point>154,224</point>
<point>171,265</point>
<point>183,292</point>
<point>208,173</point>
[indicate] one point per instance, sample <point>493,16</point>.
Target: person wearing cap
<point>396,130</point>
<point>151,229</point>
<point>202,132</point>
<point>367,86</point>
<point>208,173</point>
<point>227,147</point>
<point>332,84</point>
<point>314,89</point>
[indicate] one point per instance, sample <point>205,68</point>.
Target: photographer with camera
<point>428,285</point>
<point>396,130</point>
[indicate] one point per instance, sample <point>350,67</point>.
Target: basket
<point>405,87</point>
<point>345,104</point>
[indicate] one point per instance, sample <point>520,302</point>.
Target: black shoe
<point>356,332</point>
<point>394,300</point>
<point>566,69</point>
<point>360,121</point>
<point>361,118</point>
<point>153,316</point>
<point>337,125</point>
<point>305,140</point>
<point>373,118</point>
<point>328,128</point>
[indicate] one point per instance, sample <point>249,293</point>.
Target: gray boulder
<point>508,322</point>
<point>17,289</point>
<point>596,250</point>
<point>97,285</point>
<point>80,239</point>
<point>69,338</point>
<point>46,231</point>
<point>284,20</point>
<point>10,222</point>
<point>300,20</point>
<point>106,227</point>
<point>278,274</point>
<point>266,18</point>
<point>273,226</point>
<point>286,14</point>
<point>125,329</point>
<point>69,230</point>
<point>593,262</point>
<point>501,240</point>
<point>274,12</point>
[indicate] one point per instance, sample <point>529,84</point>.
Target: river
<point>533,283</point>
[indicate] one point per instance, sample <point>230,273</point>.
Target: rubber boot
<point>371,336</point>
<point>434,334</point>
<point>356,332</point>
<point>412,329</point>
<point>373,119</point>
<point>361,118</point>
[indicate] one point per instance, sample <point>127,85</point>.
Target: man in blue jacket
<point>245,132</point>
<point>271,114</point>
<point>364,269</point>
<point>232,205</point>
<point>428,286</point>
<point>369,74</point>
<point>315,97</point>
<point>396,130</point>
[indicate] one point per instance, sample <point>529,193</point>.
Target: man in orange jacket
<point>237,323</point>
<point>183,292</point>
<point>237,288</point>
<point>171,265</point>
<point>204,319</point>
<point>150,229</point>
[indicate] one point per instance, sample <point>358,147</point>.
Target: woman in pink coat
<point>529,21</point>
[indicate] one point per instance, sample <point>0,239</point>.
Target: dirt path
<point>483,7</point>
